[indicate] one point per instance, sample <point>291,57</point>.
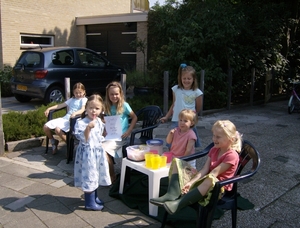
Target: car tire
<point>54,94</point>
<point>22,98</point>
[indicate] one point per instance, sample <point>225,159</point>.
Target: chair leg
<point>165,218</point>
<point>47,145</point>
<point>70,150</point>
<point>234,214</point>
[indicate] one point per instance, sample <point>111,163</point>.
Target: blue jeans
<point>197,143</point>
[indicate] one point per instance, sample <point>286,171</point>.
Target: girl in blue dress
<point>91,166</point>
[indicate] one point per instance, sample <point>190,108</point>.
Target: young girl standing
<point>186,95</point>
<point>91,166</point>
<point>75,105</point>
<point>183,138</point>
<point>187,186</point>
<point>115,104</point>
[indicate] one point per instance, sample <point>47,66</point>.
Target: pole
<point>202,89</point>
<point>67,88</point>
<point>2,143</point>
<point>229,87</point>
<point>166,91</point>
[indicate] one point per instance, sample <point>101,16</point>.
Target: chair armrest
<point>237,178</point>
<point>136,131</point>
<point>199,154</point>
<point>51,112</point>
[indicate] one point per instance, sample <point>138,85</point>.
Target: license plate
<point>22,87</point>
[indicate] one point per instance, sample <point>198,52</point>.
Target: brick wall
<point>54,17</point>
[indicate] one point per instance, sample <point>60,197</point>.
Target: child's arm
<point>79,112</point>
<point>201,173</point>
<point>189,147</point>
<point>54,107</point>
<point>88,129</point>
<point>198,102</point>
<point>170,136</point>
<point>170,112</point>
<point>220,169</point>
<point>131,126</point>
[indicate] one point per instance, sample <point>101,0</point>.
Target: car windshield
<point>30,59</point>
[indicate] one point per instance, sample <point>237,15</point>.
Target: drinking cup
<point>163,161</point>
<point>155,161</point>
<point>148,156</point>
<point>154,151</point>
<point>169,156</point>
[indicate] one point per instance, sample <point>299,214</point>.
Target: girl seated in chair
<point>188,186</point>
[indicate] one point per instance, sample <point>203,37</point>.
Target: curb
<point>24,144</point>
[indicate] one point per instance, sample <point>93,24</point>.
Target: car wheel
<point>22,98</point>
<point>54,94</point>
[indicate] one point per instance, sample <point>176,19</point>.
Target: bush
<point>24,125</point>
<point>5,76</point>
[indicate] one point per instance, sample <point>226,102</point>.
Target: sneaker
<point>54,146</point>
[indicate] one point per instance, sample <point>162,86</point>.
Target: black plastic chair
<point>148,118</point>
<point>229,200</point>
<point>50,117</point>
<point>71,139</point>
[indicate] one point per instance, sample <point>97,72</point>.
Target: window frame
<point>36,37</point>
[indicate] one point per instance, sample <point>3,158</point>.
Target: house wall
<point>54,17</point>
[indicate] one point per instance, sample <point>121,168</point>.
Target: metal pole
<point>229,87</point>
<point>67,88</point>
<point>202,89</point>
<point>2,143</point>
<point>166,91</point>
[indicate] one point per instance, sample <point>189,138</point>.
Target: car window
<point>30,59</point>
<point>63,58</point>
<point>90,59</point>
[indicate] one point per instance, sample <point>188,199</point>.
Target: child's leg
<point>48,132</point>
<point>61,134</point>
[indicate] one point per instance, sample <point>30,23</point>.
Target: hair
<point>79,85</point>
<point>108,103</point>
<point>230,130</point>
<point>94,97</point>
<point>184,68</point>
<point>190,115</point>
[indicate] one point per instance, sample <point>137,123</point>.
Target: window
<point>32,41</point>
<point>90,59</point>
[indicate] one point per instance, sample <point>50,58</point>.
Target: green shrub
<point>24,125</point>
<point>138,102</point>
<point>5,76</point>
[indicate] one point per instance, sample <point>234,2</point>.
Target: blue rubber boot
<point>90,202</point>
<point>98,201</point>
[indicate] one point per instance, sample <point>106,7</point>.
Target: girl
<point>115,104</point>
<point>183,138</point>
<point>186,95</point>
<point>186,186</point>
<point>91,166</point>
<point>75,106</point>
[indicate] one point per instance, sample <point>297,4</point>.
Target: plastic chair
<point>149,117</point>
<point>229,200</point>
<point>50,117</point>
<point>71,139</point>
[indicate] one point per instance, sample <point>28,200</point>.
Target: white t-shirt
<point>184,99</point>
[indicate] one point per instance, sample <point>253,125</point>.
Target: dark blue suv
<point>40,73</point>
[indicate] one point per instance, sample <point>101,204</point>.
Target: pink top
<point>180,141</point>
<point>229,157</point>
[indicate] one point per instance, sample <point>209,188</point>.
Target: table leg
<point>154,186</point>
<point>122,179</point>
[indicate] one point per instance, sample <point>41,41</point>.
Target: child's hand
<point>186,188</point>
<point>164,119</point>
<point>172,131</point>
<point>46,112</point>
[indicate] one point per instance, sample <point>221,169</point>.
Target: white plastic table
<point>154,177</point>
